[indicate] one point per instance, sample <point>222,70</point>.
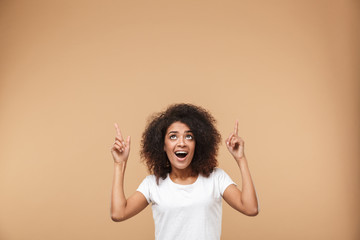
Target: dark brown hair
<point>206,136</point>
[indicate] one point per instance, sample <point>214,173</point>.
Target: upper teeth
<point>179,152</point>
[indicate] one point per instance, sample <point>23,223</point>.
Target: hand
<point>235,144</point>
<point>121,149</point>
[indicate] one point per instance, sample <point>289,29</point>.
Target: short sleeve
<point>144,188</point>
<point>224,180</point>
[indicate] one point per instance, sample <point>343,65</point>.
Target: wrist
<point>120,165</point>
<point>240,160</point>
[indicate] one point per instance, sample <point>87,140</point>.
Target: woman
<point>186,188</point>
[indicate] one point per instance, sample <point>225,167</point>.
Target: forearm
<point>118,200</point>
<point>248,196</point>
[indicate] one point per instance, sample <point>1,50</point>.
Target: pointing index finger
<point>118,132</point>
<point>236,127</point>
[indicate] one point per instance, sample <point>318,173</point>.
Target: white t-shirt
<point>185,212</point>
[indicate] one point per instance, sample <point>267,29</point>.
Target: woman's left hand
<point>235,144</point>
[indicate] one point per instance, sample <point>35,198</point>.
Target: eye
<point>173,136</point>
<point>190,137</point>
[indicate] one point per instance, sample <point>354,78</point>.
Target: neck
<point>182,173</point>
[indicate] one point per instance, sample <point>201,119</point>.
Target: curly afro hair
<point>202,125</point>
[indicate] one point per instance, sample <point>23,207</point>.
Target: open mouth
<point>181,154</point>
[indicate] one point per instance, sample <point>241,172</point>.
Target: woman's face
<point>179,145</point>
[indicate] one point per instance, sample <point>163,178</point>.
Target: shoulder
<point>222,179</point>
<point>147,184</point>
<point>221,176</point>
<point>150,178</point>
<point>218,172</point>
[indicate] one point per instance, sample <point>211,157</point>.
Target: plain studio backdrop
<point>287,70</point>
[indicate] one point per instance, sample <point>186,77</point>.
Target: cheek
<point>193,147</point>
<point>168,146</point>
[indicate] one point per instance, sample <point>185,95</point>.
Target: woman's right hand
<point>121,149</point>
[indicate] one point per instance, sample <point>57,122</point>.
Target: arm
<point>244,201</point>
<point>122,208</point>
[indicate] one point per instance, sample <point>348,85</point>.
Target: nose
<point>181,142</point>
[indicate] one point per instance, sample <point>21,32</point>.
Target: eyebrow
<point>178,132</point>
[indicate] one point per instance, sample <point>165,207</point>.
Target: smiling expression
<point>179,145</point>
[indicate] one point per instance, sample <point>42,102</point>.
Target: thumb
<point>128,140</point>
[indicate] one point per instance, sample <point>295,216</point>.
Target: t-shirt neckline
<point>183,185</point>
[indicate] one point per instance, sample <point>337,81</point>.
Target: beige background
<point>288,70</point>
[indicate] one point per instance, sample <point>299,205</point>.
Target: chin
<point>180,166</point>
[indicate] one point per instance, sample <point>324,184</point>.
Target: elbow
<point>117,218</point>
<point>252,212</point>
